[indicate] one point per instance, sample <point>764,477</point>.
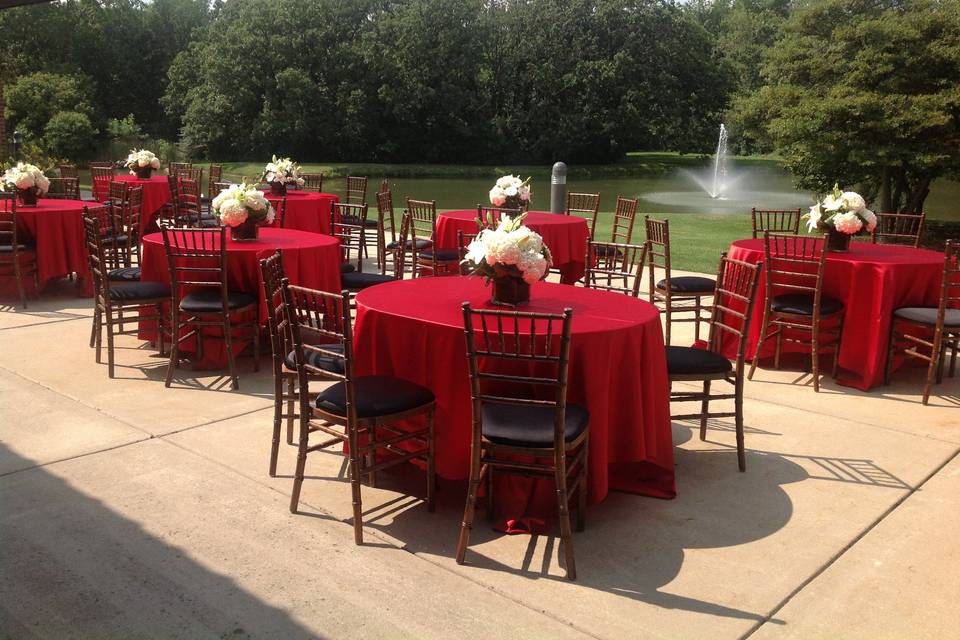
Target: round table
<point>413,329</point>
<point>156,193</point>
<point>565,236</point>
<point>55,227</point>
<point>306,210</point>
<point>871,280</point>
<point>309,259</point>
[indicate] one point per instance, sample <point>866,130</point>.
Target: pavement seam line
<point>41,324</point>
<point>78,456</point>
<point>376,534</point>
<point>837,556</point>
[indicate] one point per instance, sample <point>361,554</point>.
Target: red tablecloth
<point>871,280</point>
<point>307,210</point>
<point>309,259</point>
<point>156,193</point>
<point>413,329</point>
<point>566,236</point>
<point>56,228</point>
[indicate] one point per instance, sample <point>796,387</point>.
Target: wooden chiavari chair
<point>117,192</point>
<point>102,164</point>
<point>775,220</point>
<point>489,217</point>
<point>388,233</point>
<point>312,182</point>
<point>189,208</point>
<point>899,228</point>
<point>174,167</point>
<point>615,266</point>
<point>18,260</point>
<point>925,333</point>
<point>128,216</point>
<point>347,224</point>
<point>550,434</point>
<point>420,221</point>
<point>214,176</point>
<point>732,309</point>
<point>64,189</point>
<point>117,302</point>
<point>356,192</point>
<point>197,259</point>
<point>794,303</point>
<point>624,215</point>
<point>681,294</point>
<point>68,171</point>
<point>101,177</point>
<point>585,205</point>
<point>358,411</point>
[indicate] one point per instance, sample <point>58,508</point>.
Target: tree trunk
<point>885,194</point>
<point>918,195</point>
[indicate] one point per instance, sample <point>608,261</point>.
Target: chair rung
<point>382,443</point>
<point>404,457</point>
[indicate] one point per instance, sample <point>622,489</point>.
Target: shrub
<point>69,134</point>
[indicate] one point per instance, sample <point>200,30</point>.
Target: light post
<point>558,188</point>
<point>17,141</point>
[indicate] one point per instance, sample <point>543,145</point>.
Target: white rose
<point>24,181</point>
<point>506,181</point>
<point>497,198</point>
<point>155,163</point>
<point>254,200</point>
<point>43,184</point>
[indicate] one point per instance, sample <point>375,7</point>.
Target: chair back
<point>899,228</point>
<point>775,220</point>
<point>197,259</point>
<point>489,217</point>
<point>8,224</point>
<point>188,173</point>
<point>733,301</point>
<point>519,358</point>
<point>214,175</point>
<point>69,171</point>
<point>950,286</point>
<point>99,223</point>
<point>174,167</point>
<point>271,270</point>
<point>188,206</point>
<point>585,205</point>
<point>623,217</point>
<point>318,320</point>
<point>280,213</point>
<point>128,220</point>
<point>101,177</point>
<point>794,264</point>
<point>356,190</point>
<point>102,164</point>
<point>117,193</point>
<point>312,182</point>
<point>386,217</point>
<point>613,266</point>
<point>420,224</point>
<point>64,189</point>
<point>348,224</point>
<point>658,252</point>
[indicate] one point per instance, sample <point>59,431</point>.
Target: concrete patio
<point>131,510</point>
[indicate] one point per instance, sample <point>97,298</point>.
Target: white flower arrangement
<point>511,192</point>
<point>283,170</point>
<point>26,177</point>
<point>141,159</point>
<point>844,211</point>
<point>240,203</point>
<point>511,249</point>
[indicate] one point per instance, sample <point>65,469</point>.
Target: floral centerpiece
<point>512,256</point>
<point>28,181</point>
<point>142,162</point>
<point>842,214</point>
<point>511,192</point>
<point>243,208</point>
<point>281,172</point>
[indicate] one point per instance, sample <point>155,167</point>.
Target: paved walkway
<point>131,510</point>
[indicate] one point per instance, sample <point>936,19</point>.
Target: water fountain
<point>720,165</point>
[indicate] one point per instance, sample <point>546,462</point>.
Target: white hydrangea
<point>849,223</point>
<point>26,176</point>
<point>240,202</point>
<point>871,219</point>
<point>510,186</point>
<point>510,244</point>
<point>853,201</point>
<point>141,158</point>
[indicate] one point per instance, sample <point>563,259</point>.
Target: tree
<point>32,100</point>
<point>864,91</point>
<point>70,135</point>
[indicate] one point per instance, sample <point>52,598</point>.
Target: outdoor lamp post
<point>558,188</point>
<point>17,141</point>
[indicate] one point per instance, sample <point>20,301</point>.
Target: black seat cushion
<point>689,284</point>
<point>370,223</point>
<point>376,396</point>
<point>688,360</point>
<point>529,425</point>
<point>604,250</point>
<point>8,248</point>
<point>133,291</point>
<point>928,315</point>
<point>358,280</point>
<point>422,243</point>
<point>125,274</point>
<point>208,301</point>
<point>802,304</point>
<point>318,360</point>
<point>120,239</point>
<point>347,267</point>
<point>443,255</point>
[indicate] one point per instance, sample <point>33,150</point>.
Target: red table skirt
<point>565,236</point>
<point>307,210</point>
<point>156,193</point>
<point>55,227</point>
<point>413,329</point>
<point>309,259</point>
<point>871,281</point>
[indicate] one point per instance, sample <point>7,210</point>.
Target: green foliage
<point>124,130</point>
<point>33,99</point>
<point>860,91</point>
<point>69,134</point>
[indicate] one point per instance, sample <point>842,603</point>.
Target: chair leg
<point>291,407</point>
<point>372,455</point>
<point>696,318</point>
<point>931,374</point>
<point>231,360</point>
<point>110,321</point>
<point>431,466</point>
<point>98,342</point>
<point>891,348</point>
<point>836,348</point>
<point>566,535</point>
<point>490,504</point>
<point>174,343</point>
<point>738,410</point>
<point>301,462</point>
<point>355,485</point>
<point>815,356</point>
<point>277,412</point>
<point>704,409</point>
<point>764,327</point>
<point>94,321</point>
<point>476,475</point>
<point>669,313</point>
<point>582,489</point>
